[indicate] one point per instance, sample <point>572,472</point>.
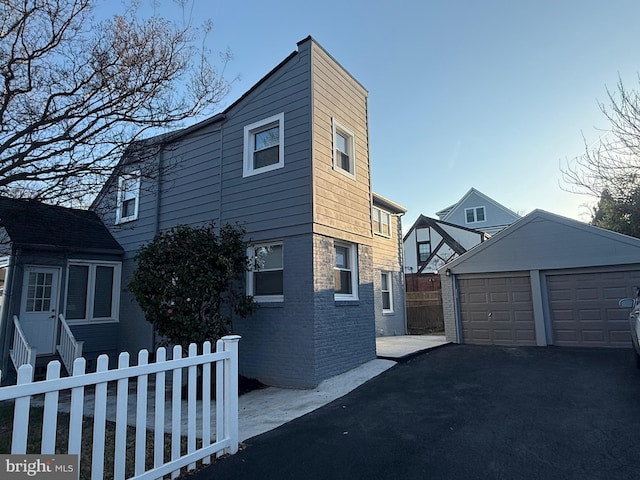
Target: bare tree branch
<point>75,93</point>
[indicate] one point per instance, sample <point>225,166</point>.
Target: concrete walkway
<point>262,410</point>
<point>403,346</point>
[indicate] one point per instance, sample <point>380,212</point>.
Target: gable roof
<point>546,241</point>
<point>35,224</point>
<point>447,212</point>
<point>423,221</point>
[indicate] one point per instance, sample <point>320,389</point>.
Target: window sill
<point>388,312</point>
<point>347,303</point>
<point>278,304</point>
<point>381,235</point>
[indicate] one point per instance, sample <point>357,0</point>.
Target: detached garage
<point>545,280</point>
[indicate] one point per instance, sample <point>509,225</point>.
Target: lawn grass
<point>34,441</point>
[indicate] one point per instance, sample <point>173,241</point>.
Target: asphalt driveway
<point>465,412</point>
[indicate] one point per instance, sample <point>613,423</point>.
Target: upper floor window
<point>387,292</point>
<point>344,154</point>
<point>424,251</point>
<point>264,145</point>
<point>92,291</point>
<point>265,281</point>
<point>475,214</point>
<point>128,200</point>
<point>345,272</point>
<point>381,222</point>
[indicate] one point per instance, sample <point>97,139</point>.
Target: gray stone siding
<point>344,330</point>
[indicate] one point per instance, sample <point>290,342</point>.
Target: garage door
<point>496,311</point>
<point>584,308</point>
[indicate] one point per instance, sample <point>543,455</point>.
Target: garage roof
<point>545,241</point>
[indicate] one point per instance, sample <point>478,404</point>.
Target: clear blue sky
<point>491,94</point>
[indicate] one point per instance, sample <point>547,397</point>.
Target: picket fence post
<point>231,391</point>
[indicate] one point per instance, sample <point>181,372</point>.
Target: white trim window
<point>92,291</point>
<point>381,222</point>
<point>344,152</point>
<point>265,281</point>
<point>128,200</point>
<point>475,214</point>
<point>264,145</point>
<point>345,272</point>
<point>386,288</point>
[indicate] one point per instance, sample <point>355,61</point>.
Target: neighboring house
<point>476,210</point>
<point>57,260</point>
<point>431,243</point>
<point>289,161</point>
<point>545,280</point>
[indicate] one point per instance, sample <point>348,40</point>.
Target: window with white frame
<point>345,272</point>
<point>92,291</point>
<point>387,292</point>
<point>475,214</point>
<point>128,197</point>
<point>344,153</point>
<point>381,222</point>
<point>265,281</point>
<point>264,145</point>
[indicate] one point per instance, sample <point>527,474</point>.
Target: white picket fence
<point>226,408</point>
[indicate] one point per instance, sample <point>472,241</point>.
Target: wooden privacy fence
<point>225,359</point>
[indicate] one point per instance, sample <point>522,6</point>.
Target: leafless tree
<point>76,91</point>
<point>612,164</point>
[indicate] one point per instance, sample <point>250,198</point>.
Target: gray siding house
<point>478,211</point>
<point>289,161</point>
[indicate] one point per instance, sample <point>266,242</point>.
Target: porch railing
<point>68,347</point>
<point>22,352</point>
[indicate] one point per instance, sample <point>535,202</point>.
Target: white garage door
<point>496,311</point>
<point>584,308</point>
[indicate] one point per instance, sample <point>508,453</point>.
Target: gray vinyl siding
<point>277,202</point>
<point>495,215</point>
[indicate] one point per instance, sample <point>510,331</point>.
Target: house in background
<point>477,211</point>
<point>56,260</point>
<point>289,161</point>
<point>431,243</point>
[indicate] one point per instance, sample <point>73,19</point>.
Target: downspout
<point>402,276</point>
<point>156,222</point>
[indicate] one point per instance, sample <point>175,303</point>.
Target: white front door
<point>39,307</point>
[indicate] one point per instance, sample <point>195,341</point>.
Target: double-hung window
<point>265,281</point>
<point>344,154</point>
<point>381,222</point>
<point>475,214</point>
<point>264,145</point>
<point>92,291</point>
<point>128,200</point>
<point>345,272</point>
<point>387,292</point>
<point>424,251</point>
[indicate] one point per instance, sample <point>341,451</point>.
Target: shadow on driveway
<point>465,412</point>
